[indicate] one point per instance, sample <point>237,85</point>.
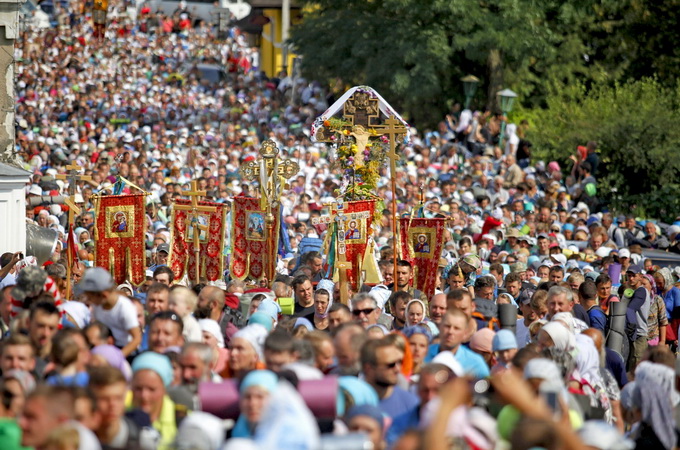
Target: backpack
<point>233,316</point>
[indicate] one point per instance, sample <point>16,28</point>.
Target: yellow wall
<point>271,57</point>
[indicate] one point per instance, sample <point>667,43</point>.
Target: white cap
<point>624,253</point>
<point>449,360</point>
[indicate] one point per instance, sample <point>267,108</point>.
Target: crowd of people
<point>549,328</point>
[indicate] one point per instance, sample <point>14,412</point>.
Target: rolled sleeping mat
<point>507,316</point>
<point>615,334</point>
<point>222,399</point>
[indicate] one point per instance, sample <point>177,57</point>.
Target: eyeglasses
<point>394,364</point>
<point>367,311</point>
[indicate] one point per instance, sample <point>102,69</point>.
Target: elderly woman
<point>665,285</point>
<point>556,334</point>
<point>245,351</point>
<point>151,375</point>
<point>212,336</point>
<point>255,391</point>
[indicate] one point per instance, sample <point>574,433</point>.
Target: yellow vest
<point>165,424</point>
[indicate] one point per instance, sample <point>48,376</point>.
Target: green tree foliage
<point>635,126</point>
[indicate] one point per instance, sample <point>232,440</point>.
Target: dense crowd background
<point>128,366</point>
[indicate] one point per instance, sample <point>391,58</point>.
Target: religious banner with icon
<point>208,222</point>
<point>421,245</point>
<point>250,242</point>
<point>350,237</point>
<point>119,236</point>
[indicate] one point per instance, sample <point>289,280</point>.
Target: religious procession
<point>202,249</point>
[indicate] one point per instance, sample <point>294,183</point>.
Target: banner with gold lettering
<point>120,240</point>
<point>182,258</point>
<point>421,245</point>
<point>250,243</point>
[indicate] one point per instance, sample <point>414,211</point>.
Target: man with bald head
<point>211,302</point>
<point>437,308</point>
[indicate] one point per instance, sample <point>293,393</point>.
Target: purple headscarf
<point>115,358</point>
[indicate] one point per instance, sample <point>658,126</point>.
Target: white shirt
<point>522,333</point>
<point>120,319</point>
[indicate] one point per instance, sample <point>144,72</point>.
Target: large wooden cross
<point>340,218</point>
<point>73,176</point>
<point>194,211</point>
<point>393,129</point>
<point>272,172</point>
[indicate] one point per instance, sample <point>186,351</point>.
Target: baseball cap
<point>504,340</point>
<point>634,268</point>
<point>163,248</point>
<point>96,279</point>
<point>624,253</point>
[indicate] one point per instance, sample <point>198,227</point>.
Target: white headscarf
<point>415,300</point>
<point>560,336</point>
<point>213,328</point>
<point>255,334</point>
<point>588,360</point>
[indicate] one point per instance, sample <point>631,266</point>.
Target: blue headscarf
<point>361,393</point>
<point>265,379</point>
<point>155,362</point>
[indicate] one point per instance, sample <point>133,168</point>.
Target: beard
<point>203,313</point>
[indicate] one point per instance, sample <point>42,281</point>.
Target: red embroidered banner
<point>182,258</point>
<point>421,245</point>
<point>119,230</point>
<point>251,247</point>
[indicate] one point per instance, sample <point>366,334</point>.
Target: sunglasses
<point>394,364</point>
<point>367,311</point>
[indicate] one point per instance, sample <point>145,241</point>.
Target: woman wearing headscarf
<point>420,338</point>
<point>212,336</point>
<point>151,375</point>
<point>323,300</point>
<point>587,380</point>
<point>415,312</point>
<point>103,355</point>
<point>556,334</point>
<point>665,286</point>
<point>657,320</point>
<point>650,395</point>
<point>245,351</point>
<point>367,419</point>
<point>254,391</point>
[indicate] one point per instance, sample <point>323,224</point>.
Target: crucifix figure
<point>272,172</point>
<point>194,211</point>
<point>340,219</point>
<point>73,177</point>
<point>393,129</point>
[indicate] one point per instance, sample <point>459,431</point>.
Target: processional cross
<point>194,211</point>
<point>340,218</point>
<point>393,129</point>
<point>272,172</point>
<point>73,177</point>
<point>362,111</point>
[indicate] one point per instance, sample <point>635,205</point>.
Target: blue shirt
<point>473,364</point>
<point>398,403</point>
<point>402,423</point>
<point>598,319</point>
